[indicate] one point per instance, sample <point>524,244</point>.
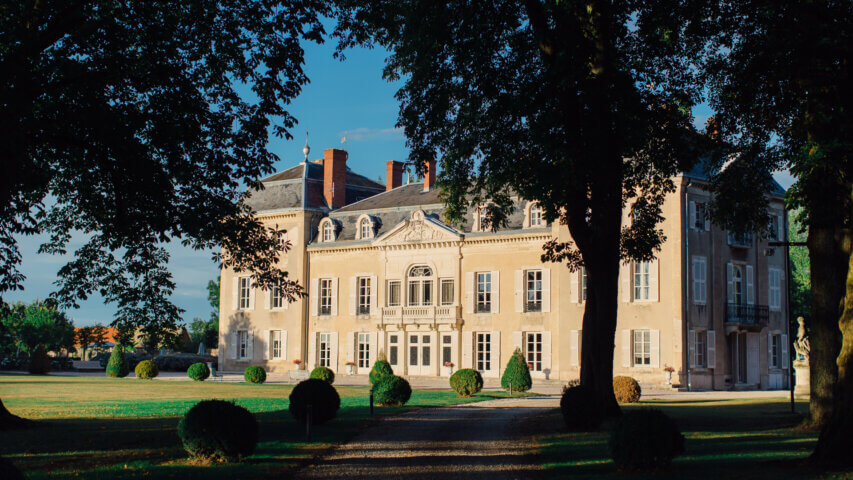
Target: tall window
<point>774,280</point>
<point>535,215</point>
<point>482,215</point>
<point>775,351</point>
<point>244,286</point>
<point>534,290</point>
<point>365,230</point>
<point>363,350</point>
<point>393,348</point>
<point>277,297</point>
<point>275,342</point>
<point>242,344</point>
<point>325,350</point>
<point>700,216</point>
<point>642,347</point>
<point>325,296</point>
<point>484,292</point>
<point>394,293</point>
<point>773,228</point>
<point>328,231</point>
<point>737,286</point>
<point>447,291</point>
<point>701,348</point>
<point>642,273</point>
<point>533,350</point>
<point>446,355</point>
<point>420,286</point>
<point>699,280</point>
<point>484,351</point>
<point>364,295</point>
<point>584,283</point>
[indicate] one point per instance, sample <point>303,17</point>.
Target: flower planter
<point>668,377</point>
<point>350,369</point>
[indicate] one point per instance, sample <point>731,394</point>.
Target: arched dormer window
<point>327,230</point>
<point>535,215</point>
<point>365,227</point>
<point>420,280</point>
<point>481,219</point>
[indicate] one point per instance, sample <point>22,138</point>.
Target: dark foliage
<point>146,370</point>
<point>323,373</point>
<point>218,430</point>
<point>255,374</point>
<point>39,361</point>
<point>9,421</point>
<point>645,439</point>
<point>198,372</point>
<point>322,397</point>
<point>117,366</point>
<point>466,382</point>
<point>392,391</point>
<point>380,369</point>
<point>518,373</point>
<point>626,389</point>
<point>181,362</point>
<point>581,410</point>
<point>8,471</point>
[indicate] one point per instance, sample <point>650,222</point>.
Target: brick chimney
<point>335,177</point>
<point>393,174</point>
<point>429,175</point>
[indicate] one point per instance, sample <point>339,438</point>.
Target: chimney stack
<point>393,174</point>
<point>335,177</point>
<point>429,175</point>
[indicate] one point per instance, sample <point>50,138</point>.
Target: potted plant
<point>668,369</point>
<point>299,364</point>
<point>350,368</point>
<point>449,366</point>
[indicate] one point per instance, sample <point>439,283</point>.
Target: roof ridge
<point>374,197</point>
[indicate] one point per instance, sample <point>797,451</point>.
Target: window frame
<point>644,353</point>
<point>534,216</point>
<point>483,292</point>
<point>244,293</point>
<point>533,356</point>
<point>701,215</point>
<point>774,289</point>
<point>242,345</point>
<point>363,295</point>
<point>275,344</point>
<point>700,283</point>
<point>324,307</point>
<point>701,349</point>
<point>534,304</point>
<point>363,350</point>
<point>483,351</point>
<point>775,350</point>
<point>389,300</point>
<point>443,301</point>
<point>324,349</point>
<point>641,281</point>
<point>327,231</point>
<point>365,229</point>
<point>419,291</point>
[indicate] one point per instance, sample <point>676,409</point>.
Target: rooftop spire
<point>306,149</point>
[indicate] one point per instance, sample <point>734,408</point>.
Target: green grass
<point>730,439</point>
<point>106,428</point>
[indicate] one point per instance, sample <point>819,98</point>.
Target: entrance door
<point>737,344</point>
<point>420,351</point>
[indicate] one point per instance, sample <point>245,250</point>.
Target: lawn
<point>730,439</point>
<point>105,428</point>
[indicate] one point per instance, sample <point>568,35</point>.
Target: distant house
<point>95,348</point>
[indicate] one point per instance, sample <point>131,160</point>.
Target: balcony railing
<point>420,315</point>
<point>747,314</point>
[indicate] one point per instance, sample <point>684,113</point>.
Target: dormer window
<point>535,215</point>
<point>482,218</point>
<point>327,231</point>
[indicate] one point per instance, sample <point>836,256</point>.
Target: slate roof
<point>703,171</point>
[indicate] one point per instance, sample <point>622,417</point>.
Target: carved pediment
<point>418,228</point>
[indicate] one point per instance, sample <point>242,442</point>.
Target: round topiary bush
<point>517,372</point>
<point>39,361</point>
<point>466,382</point>
<point>146,370</point>
<point>323,373</point>
<point>255,374</point>
<point>322,397</point>
<point>198,372</point>
<point>645,439</point>
<point>626,389</point>
<point>117,366</point>
<point>581,411</point>
<point>218,430</point>
<point>380,369</point>
<point>392,391</point>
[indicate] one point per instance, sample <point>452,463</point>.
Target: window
<point>420,286</point>
<point>244,293</point>
<point>446,351</point>
<point>701,214</point>
<point>394,293</point>
<point>277,297</point>
<point>740,240</point>
<point>533,350</point>
<point>774,281</point>
<point>699,280</point>
<point>773,228</point>
<point>328,231</point>
<point>775,351</point>
<point>483,218</point>
<point>363,350</point>
<point>364,295</point>
<point>535,215</point>
<point>242,344</point>
<point>642,348</point>
<point>701,348</point>
<point>484,351</point>
<point>365,229</point>
<point>534,290</point>
<point>584,283</point>
<point>325,296</point>
<point>325,350</point>
<point>275,343</point>
<point>484,292</point>
<point>392,349</point>
<point>447,292</point>
<point>642,273</point>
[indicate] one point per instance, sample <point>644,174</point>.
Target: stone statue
<point>801,345</point>
<point>802,385</point>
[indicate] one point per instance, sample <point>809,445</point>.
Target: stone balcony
<point>443,315</point>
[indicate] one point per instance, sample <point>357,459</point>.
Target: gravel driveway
<point>485,440</point>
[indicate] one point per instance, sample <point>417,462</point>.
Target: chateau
<point>387,276</point>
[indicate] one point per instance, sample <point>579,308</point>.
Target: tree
<point>583,107</point>
<point>778,80</point>
<point>206,331</point>
<point>213,287</point>
<point>39,323</point>
<point>801,286</point>
<point>84,338</point>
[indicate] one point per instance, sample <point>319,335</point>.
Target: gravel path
<point>484,440</point>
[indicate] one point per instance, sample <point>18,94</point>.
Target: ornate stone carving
<point>801,345</point>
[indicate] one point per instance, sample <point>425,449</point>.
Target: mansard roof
<point>704,171</point>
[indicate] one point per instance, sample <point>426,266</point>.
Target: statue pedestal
<point>802,385</point>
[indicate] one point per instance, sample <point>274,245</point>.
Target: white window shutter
<point>691,347</point>
<point>374,297</point>
<point>730,292</point>
<point>496,352</point>
<point>353,288</point>
<point>574,343</point>
<point>232,348</point>
<point>235,293</point>
<point>626,348</point>
<point>654,273</point>
<point>517,341</point>
<point>250,349</point>
<point>625,274</point>
<point>314,296</point>
<point>266,343</point>
<point>692,216</point>
<point>519,291</point>
<point>284,344</point>
<point>574,286</point>
<point>784,360</point>
<point>546,352</point>
<point>371,355</point>
<point>252,290</point>
<point>350,346</point>
<point>333,351</point>
<point>334,296</point>
<point>711,342</point>
<point>546,290</point>
<point>311,361</point>
<point>750,291</point>
<point>655,341</point>
<point>467,349</point>
<point>496,291</point>
<point>469,292</point>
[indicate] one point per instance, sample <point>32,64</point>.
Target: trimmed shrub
<point>9,472</point>
<point>323,373</point>
<point>517,372</point>
<point>626,389</point>
<point>146,370</point>
<point>322,397</point>
<point>198,372</point>
<point>392,391</point>
<point>117,366</point>
<point>645,439</point>
<point>466,382</point>
<point>218,430</point>
<point>39,361</point>
<point>181,362</point>
<point>581,411</point>
<point>380,369</point>
<point>255,374</point>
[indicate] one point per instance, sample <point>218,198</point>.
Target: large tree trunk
<point>9,421</point>
<point>833,446</point>
<point>828,273</point>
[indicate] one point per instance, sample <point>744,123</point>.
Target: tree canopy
<point>39,323</point>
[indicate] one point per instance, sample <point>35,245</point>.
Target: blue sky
<point>343,99</point>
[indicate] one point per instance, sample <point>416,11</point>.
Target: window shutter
<point>750,291</point>
<point>517,341</point>
<point>574,286</point>
<point>691,347</point>
<point>353,288</point>
<point>496,291</point>
<point>730,295</point>
<point>333,350</point>
<point>232,348</point>
<point>785,361</point>
<point>496,352</point>
<point>250,349</point>
<point>314,296</point>
<point>235,293</point>
<point>267,299</point>
<point>654,273</point>
<point>574,343</point>
<point>546,290</point>
<point>655,341</point>
<point>374,298</point>
<point>311,361</point>
<point>694,266</point>
<point>266,344</point>
<point>519,291</point>
<point>711,342</point>
<point>625,274</point>
<point>469,293</point>
<point>371,355</point>
<point>546,353</point>
<point>692,216</point>
<point>284,344</point>
<point>467,349</point>
<point>626,348</point>
<point>335,296</point>
<point>252,290</point>
<point>350,346</point>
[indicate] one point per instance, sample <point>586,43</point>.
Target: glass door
<point>420,351</point>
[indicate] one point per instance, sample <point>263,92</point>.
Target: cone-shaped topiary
<point>517,373</point>
<point>146,370</point>
<point>322,397</point>
<point>323,373</point>
<point>218,430</point>
<point>626,389</point>
<point>198,372</point>
<point>380,369</point>
<point>466,382</point>
<point>117,366</point>
<point>39,361</point>
<point>392,391</point>
<point>255,374</point>
<point>645,439</point>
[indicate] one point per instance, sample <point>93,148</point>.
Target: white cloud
<point>365,134</point>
